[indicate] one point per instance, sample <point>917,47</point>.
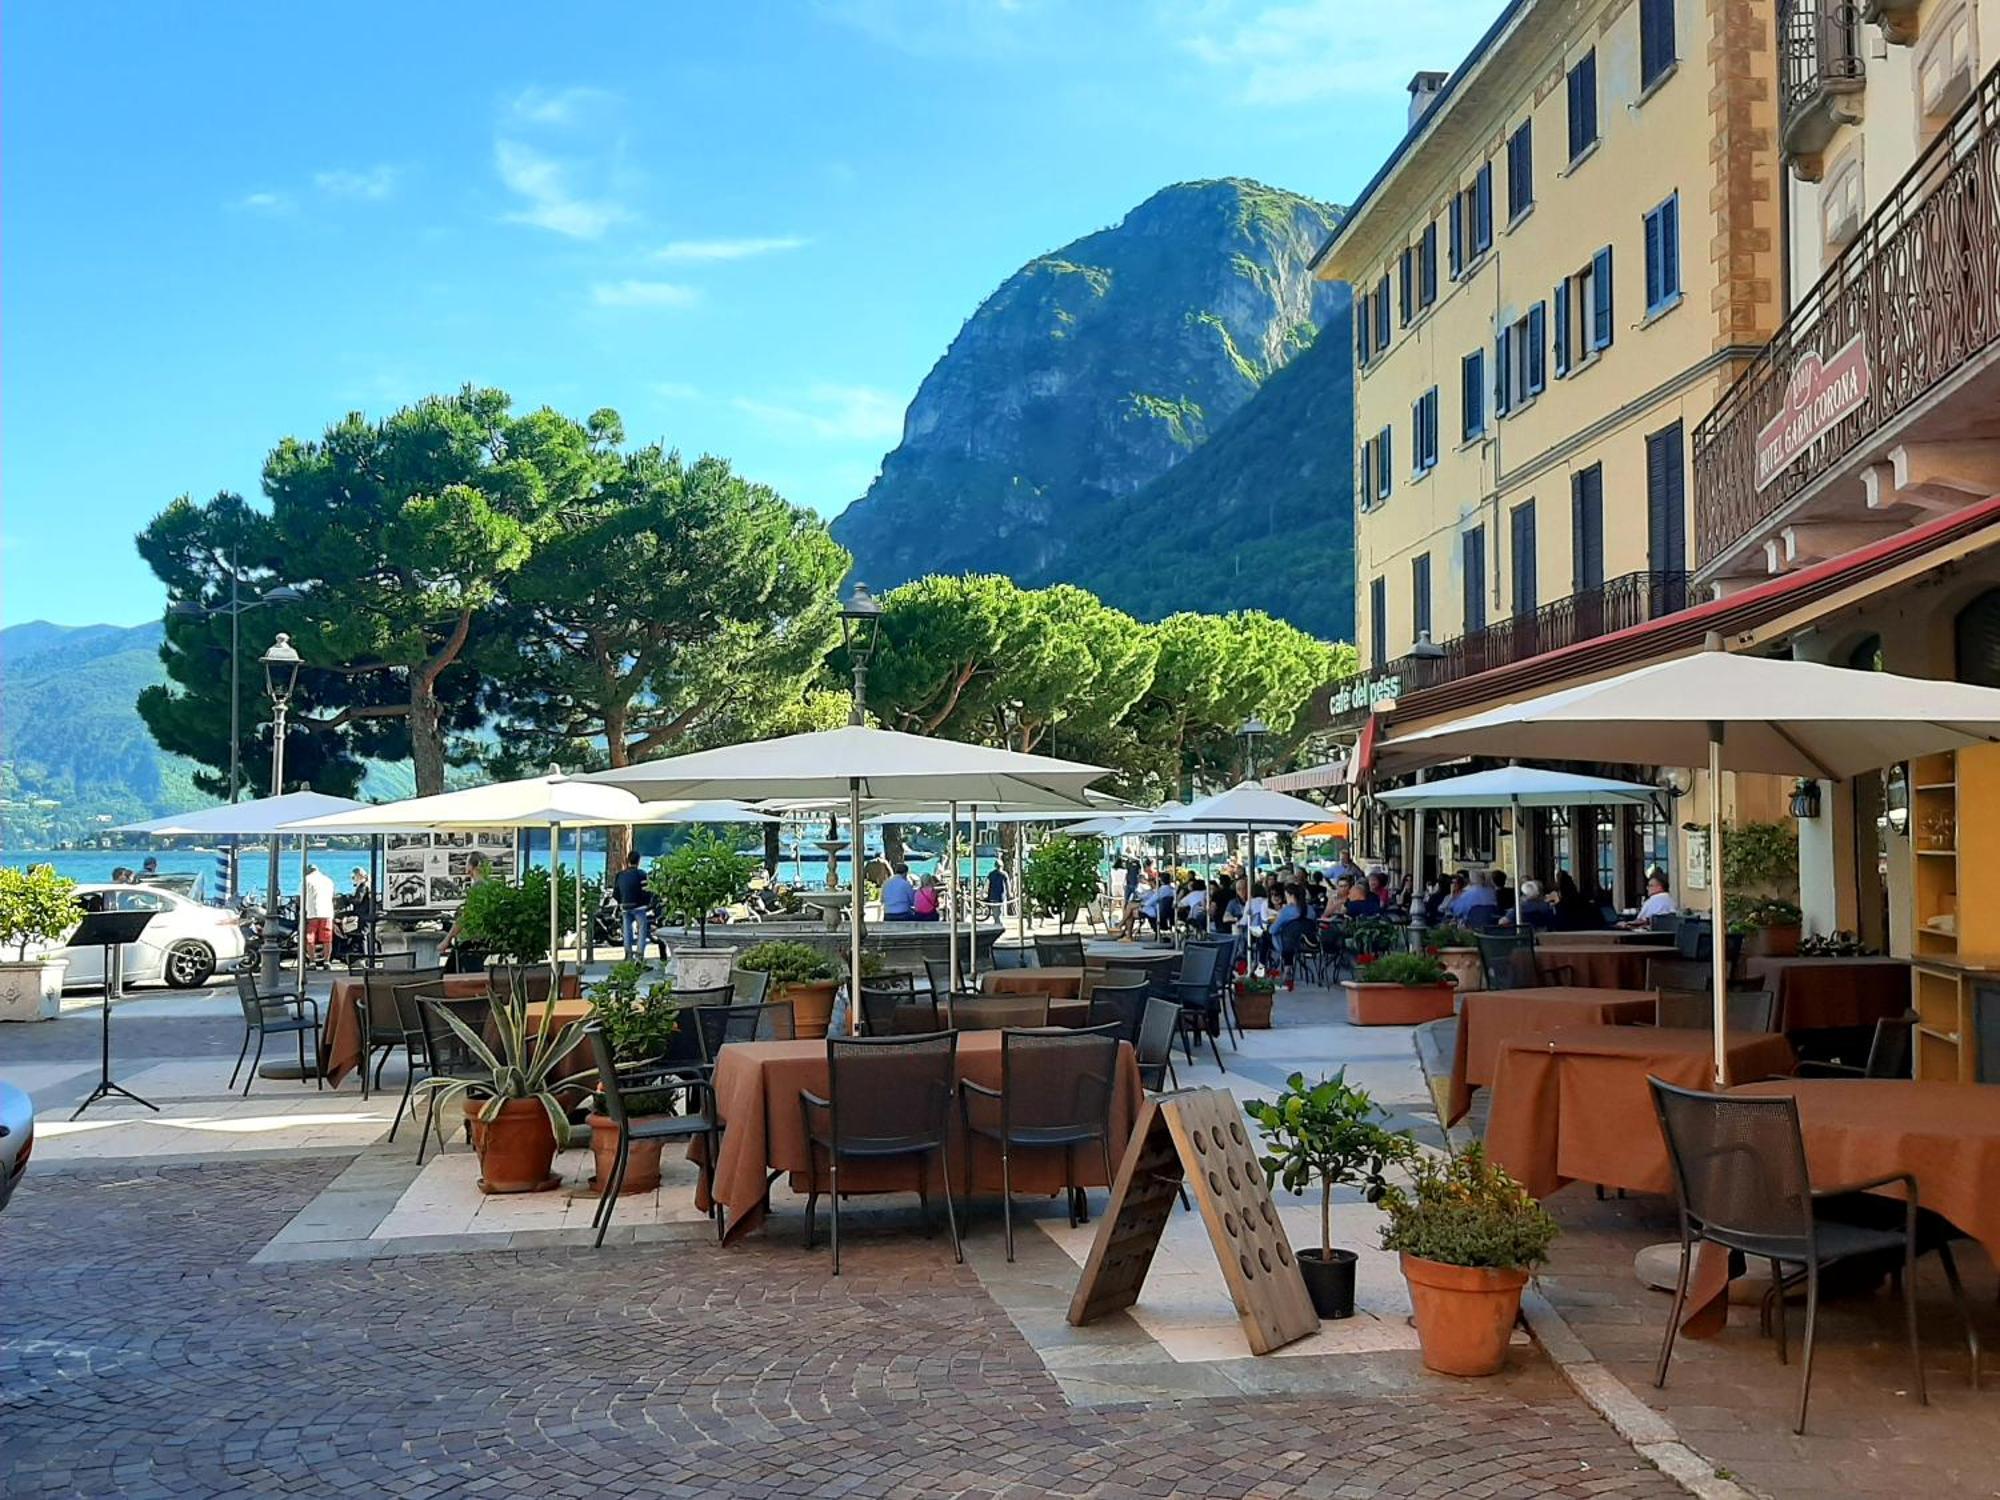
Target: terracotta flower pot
<point>642,1165</point>
<point>516,1148</point>
<point>1464,966</point>
<point>1772,942</point>
<point>1253,1008</point>
<point>1464,1314</point>
<point>812,1005</point>
<point>1397,1004</point>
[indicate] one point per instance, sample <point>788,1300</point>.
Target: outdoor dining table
<point>1624,937</point>
<point>1824,992</point>
<point>1058,982</point>
<point>1945,1134</point>
<point>1600,965</point>
<point>1572,1104</point>
<point>757,1088</point>
<point>1486,1018</point>
<point>340,1028</point>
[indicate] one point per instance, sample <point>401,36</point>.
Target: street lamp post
<point>1251,730</point>
<point>281,675</point>
<point>860,624</point>
<point>235,609</point>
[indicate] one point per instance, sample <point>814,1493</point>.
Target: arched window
<point>1977,641</point>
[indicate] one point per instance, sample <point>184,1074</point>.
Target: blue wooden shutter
<point>1503,383</point>
<point>1382,479</point>
<point>1482,208</point>
<point>1456,252</point>
<point>1361,329</point>
<point>1600,296</point>
<point>1562,328</point>
<point>1367,475</point>
<point>1670,246</point>
<point>1654,295</point>
<point>1537,366</point>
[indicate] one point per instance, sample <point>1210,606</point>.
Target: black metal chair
<point>1059,1097</point>
<point>1155,1047</point>
<point>1694,1009</point>
<point>995,1012</point>
<point>1741,1180</point>
<point>938,972</point>
<point>1749,1010</point>
<point>446,1054</point>
<point>776,1022</point>
<point>887,1097</point>
<point>1684,1010</point>
<point>1194,991</point>
<point>1888,1053</point>
<point>749,986</point>
<point>536,981</point>
<point>1679,974</point>
<point>412,1005</point>
<point>382,1023</point>
<point>267,1015</point>
<point>1508,960</point>
<point>363,963</point>
<point>1119,999</point>
<point>879,1008</point>
<point>716,1026</point>
<point>1062,951</point>
<point>692,1122</point>
<point>1225,987</point>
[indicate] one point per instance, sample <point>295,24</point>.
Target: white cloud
<point>643,294</point>
<point>1308,50</point>
<point>552,202</point>
<point>836,413</point>
<point>364,182</point>
<point>738,249</point>
<point>540,106</point>
<point>265,203</point>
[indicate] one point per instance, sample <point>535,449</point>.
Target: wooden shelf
<point>1938,786</point>
<point>1938,853</point>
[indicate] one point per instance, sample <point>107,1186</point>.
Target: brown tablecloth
<point>757,1091</point>
<point>1572,1104</point>
<point>1601,965</point>
<point>340,1029</point>
<point>1947,1134</point>
<point>1488,1017</point>
<point>1058,983</point>
<point>1621,937</point>
<point>1816,992</point>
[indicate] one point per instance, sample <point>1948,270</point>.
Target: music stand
<point>111,931</point>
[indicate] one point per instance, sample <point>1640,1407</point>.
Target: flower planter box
<point>1397,1004</point>
<point>1253,1008</point>
<point>1464,966</point>
<point>1772,942</point>
<point>31,990</point>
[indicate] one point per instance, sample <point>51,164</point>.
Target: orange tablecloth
<point>1058,983</point>
<point>340,1031</point>
<point>1948,1134</point>
<point>1621,937</point>
<point>1572,1104</point>
<point>1602,965</point>
<point>1833,991</point>
<point>1488,1017</point>
<point>757,1091</point>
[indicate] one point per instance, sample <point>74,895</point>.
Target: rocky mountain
<point>1111,366</point>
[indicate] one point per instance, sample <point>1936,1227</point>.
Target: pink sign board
<point>1820,394</point>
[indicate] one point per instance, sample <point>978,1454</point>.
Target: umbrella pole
<point>302,914</point>
<point>1718,938</point>
<point>951,877</point>
<point>972,843</point>
<point>1517,864</point>
<point>577,891</point>
<point>854,908</point>
<point>555,909</point>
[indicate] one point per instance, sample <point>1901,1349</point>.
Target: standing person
<point>635,906</point>
<point>361,909</point>
<point>317,904</point>
<point>996,890</point>
<point>1131,881</point>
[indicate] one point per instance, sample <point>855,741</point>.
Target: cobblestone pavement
<point>141,1355</point>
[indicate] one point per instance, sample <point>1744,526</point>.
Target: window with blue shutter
<point>1656,40</point>
<point>1427,266</point>
<point>1378,622</point>
<point>1663,255</point>
<point>1586,529</point>
<point>1562,329</point>
<point>1600,299</point>
<point>1384,468</point>
<point>1367,490</point>
<point>1521,522</point>
<point>1456,250</point>
<point>1361,329</point>
<point>1521,170</point>
<point>1381,311</point>
<point>1424,431</point>
<point>1406,284</point>
<point>1534,367</point>
<point>1582,105</point>
<point>1420,596</point>
<point>1503,371</point>
<point>1666,501</point>
<point>1472,570</point>
<point>1482,210</point>
<point>1472,395</point>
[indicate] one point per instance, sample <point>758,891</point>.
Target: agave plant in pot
<point>1327,1133</point>
<point>801,974</point>
<point>509,1092</point>
<point>1469,1234</point>
<point>1399,989</point>
<point>635,1004</point>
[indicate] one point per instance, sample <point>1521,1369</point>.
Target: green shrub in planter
<point>1465,1211</point>
<point>788,963</point>
<point>704,874</point>
<point>1450,935</point>
<point>1402,968</point>
<point>1062,875</point>
<point>512,921</point>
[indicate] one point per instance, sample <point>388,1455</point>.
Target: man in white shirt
<point>317,903</point>
<point>1658,902</point>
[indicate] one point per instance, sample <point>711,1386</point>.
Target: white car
<point>182,946</point>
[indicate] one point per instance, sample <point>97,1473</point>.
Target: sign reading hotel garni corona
<point>1819,395</point>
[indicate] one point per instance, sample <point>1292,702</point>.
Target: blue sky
<point>748,227</point>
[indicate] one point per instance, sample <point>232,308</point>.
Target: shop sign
<point>1819,396</point>
<point>1358,694</point>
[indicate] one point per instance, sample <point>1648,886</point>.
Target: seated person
<point>1193,906</point>
<point>1576,911</point>
<point>899,897</point>
<point>1475,904</point>
<point>1368,900</point>
<point>1536,911</point>
<point>1155,907</point>
<point>1658,902</point>
<point>924,906</point>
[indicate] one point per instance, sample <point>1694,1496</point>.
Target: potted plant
<point>702,876</point>
<point>510,920</point>
<point>1255,993</point>
<point>1469,1235</point>
<point>801,974</point>
<point>518,1123</point>
<point>1457,948</point>
<point>1062,876</point>
<point>37,910</point>
<point>640,1021</point>
<point>1399,989</point>
<point>1327,1132</point>
<point>1772,926</point>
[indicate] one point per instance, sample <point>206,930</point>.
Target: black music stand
<point>111,931</point>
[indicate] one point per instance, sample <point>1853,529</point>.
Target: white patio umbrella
<point>1734,713</point>
<point>860,763</point>
<point>1517,787</point>
<point>1248,808</point>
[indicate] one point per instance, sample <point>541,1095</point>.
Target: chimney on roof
<point>1424,88</point>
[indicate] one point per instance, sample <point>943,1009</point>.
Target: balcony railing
<point>1820,51</point>
<point>1911,300</point>
<point>1631,599</point>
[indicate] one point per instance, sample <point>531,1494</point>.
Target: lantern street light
<point>1250,731</point>
<point>235,609</point>
<point>281,675</point>
<point>860,624</point>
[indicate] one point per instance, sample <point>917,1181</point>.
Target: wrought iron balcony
<point>1820,51</point>
<point>1911,301</point>
<point>1631,599</point>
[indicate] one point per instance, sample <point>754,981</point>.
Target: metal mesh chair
<point>267,1015</point>
<point>382,1024</point>
<point>1740,1177</point>
<point>1749,1010</point>
<point>1679,974</point>
<point>749,986</point>
<point>879,1008</point>
<point>1063,951</point>
<point>1225,987</point>
<point>1155,1047</point>
<point>446,1054</point>
<point>717,1025</point>
<point>1055,1092</point>
<point>938,972</point>
<point>1888,1053</point>
<point>363,962</point>
<point>887,1097</point>
<point>1507,960</point>
<point>1195,991</point>
<point>1119,999</point>
<point>536,981</point>
<point>995,1012</point>
<point>776,1022</point>
<point>698,1119</point>
<point>1685,1010</point>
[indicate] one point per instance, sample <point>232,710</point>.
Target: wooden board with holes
<point>1197,1138</point>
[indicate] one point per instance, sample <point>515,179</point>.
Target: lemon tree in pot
<point>800,974</point>
<point>1469,1234</point>
<point>37,910</point>
<point>635,1004</point>
<point>1327,1133</point>
<point>509,1093</point>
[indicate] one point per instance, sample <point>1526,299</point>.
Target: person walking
<point>317,904</point>
<point>635,906</point>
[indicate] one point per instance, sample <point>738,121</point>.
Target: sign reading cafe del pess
<point>1819,396</point>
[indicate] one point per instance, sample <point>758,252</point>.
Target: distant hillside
<point>1101,371</point>
<point>75,758</point>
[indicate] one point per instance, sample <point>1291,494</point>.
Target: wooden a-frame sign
<point>1196,1138</point>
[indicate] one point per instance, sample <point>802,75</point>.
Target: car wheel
<point>189,963</point>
